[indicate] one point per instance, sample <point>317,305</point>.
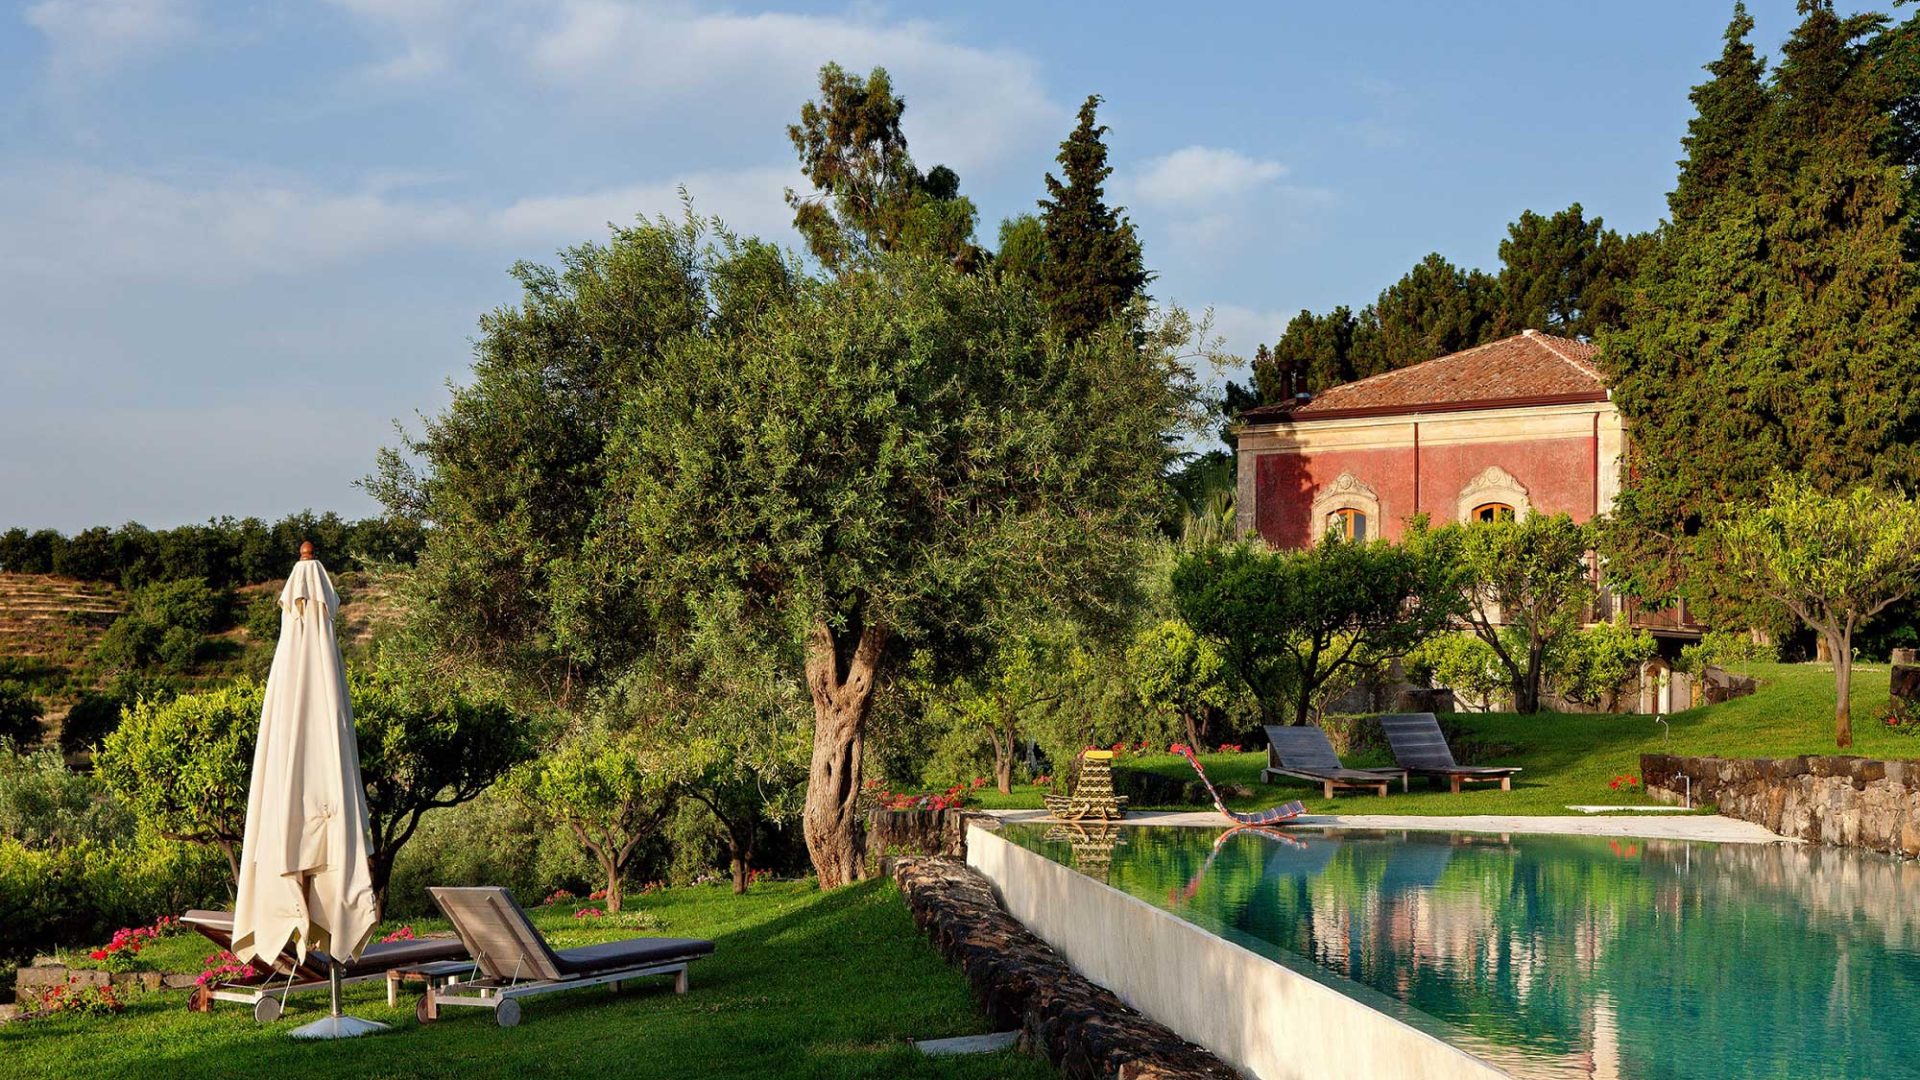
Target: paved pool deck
<point>1640,826</point>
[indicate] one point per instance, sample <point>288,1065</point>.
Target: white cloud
<point>1198,174</point>
<point>87,38</point>
<point>969,107</point>
<point>72,223</point>
<point>750,201</point>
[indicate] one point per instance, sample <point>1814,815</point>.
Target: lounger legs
<point>1506,783</point>
<point>393,989</point>
<point>1455,781</point>
<point>680,981</point>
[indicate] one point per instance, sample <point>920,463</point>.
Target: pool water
<point>1556,956</point>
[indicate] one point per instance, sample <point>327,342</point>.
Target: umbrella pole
<point>336,1026</point>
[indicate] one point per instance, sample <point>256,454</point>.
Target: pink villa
<point>1513,426</point>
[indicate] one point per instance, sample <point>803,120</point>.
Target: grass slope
<point>803,984</point>
<point>1572,758</point>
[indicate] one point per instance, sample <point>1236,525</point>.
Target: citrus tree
<point>1834,560</point>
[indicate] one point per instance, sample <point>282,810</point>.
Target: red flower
<point>98,954</point>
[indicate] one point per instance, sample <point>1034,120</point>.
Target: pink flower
<point>98,954</point>
<point>589,913</point>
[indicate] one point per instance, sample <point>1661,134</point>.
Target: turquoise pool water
<point>1562,956</point>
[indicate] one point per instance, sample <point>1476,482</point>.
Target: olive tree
<point>903,459</point>
<point>1834,560</point>
<point>1176,670</point>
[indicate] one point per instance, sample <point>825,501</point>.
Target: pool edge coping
<point>1709,828</point>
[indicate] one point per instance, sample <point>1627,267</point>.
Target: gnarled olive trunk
<point>842,691</point>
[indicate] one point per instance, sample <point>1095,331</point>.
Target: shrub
<point>1723,649</point>
<point>493,840</point>
<point>43,804</point>
<point>97,713</point>
<point>1466,665</point>
<point>20,714</point>
<point>182,765</point>
<point>82,892</point>
<point>1594,666</point>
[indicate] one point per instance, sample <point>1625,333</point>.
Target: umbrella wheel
<point>268,1009</point>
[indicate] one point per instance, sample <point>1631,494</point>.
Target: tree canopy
<point>1093,268</point>
<point>1775,322</point>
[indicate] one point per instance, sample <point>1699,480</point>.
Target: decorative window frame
<point>1347,492</point>
<point>1493,485</point>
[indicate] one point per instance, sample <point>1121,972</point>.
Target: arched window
<point>1347,524</point>
<point>1493,511</point>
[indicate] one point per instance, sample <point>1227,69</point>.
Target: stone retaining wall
<point>1843,801</point>
<point>1086,1031</point>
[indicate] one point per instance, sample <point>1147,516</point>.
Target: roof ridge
<point>1552,342</point>
<point>1382,376</point>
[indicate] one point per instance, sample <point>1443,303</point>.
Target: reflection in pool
<point>1563,956</point>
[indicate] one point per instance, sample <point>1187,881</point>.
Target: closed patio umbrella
<point>304,876</point>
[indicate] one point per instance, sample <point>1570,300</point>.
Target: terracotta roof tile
<point>1524,368</point>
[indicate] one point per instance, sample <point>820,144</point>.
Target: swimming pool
<point>1556,956</point>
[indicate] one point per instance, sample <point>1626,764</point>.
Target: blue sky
<point>238,241</point>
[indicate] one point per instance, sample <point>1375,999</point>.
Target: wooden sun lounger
<point>266,989</point>
<point>1421,748</point>
<point>1304,753</point>
<point>515,960</point>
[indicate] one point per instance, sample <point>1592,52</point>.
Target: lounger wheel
<point>507,1013</point>
<point>422,1013</point>
<point>267,1010</point>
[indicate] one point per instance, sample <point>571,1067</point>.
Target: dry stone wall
<point>1842,801</point>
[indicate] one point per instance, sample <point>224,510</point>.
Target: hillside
<point>49,625</point>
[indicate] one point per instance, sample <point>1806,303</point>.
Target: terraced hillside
<point>48,625</point>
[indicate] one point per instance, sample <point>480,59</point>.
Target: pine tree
<point>1093,266</point>
<point>1436,309</point>
<point>1563,274</point>
<point>869,197</point>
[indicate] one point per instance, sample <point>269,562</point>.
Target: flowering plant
<point>123,952</point>
<point>85,1000</point>
<point>1230,748</point>
<point>951,799</point>
<point>589,913</point>
<point>559,896</point>
<point>1625,783</point>
<point>1901,717</point>
<point>1043,781</point>
<point>405,933</point>
<point>223,966</point>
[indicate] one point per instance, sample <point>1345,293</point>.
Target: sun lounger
<point>1303,752</point>
<point>1420,748</point>
<point>516,962</point>
<point>266,988</point>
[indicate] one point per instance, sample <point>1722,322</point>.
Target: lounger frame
<point>1330,776</point>
<point>268,997</point>
<point>515,961</point>
<point>1420,747</point>
<point>502,996</point>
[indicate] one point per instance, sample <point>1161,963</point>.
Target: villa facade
<point>1513,426</point>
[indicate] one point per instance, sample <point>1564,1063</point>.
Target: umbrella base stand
<point>336,1026</point>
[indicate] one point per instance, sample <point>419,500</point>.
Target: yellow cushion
<point>1097,755</point>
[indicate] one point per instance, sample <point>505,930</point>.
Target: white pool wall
<point>1249,1011</point>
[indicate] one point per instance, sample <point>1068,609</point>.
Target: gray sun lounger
<point>267,988</point>
<point>1303,752</point>
<point>515,960</point>
<point>1421,749</point>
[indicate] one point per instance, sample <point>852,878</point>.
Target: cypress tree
<point>1093,266</point>
<point>1776,323</point>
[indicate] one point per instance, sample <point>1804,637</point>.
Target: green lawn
<point>803,984</point>
<point>1571,758</point>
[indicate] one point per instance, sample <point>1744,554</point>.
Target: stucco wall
<point>1249,1010</point>
<point>1551,451</point>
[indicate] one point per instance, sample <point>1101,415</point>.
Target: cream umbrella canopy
<point>304,876</point>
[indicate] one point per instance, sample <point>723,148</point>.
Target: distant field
<point>1573,758</point>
